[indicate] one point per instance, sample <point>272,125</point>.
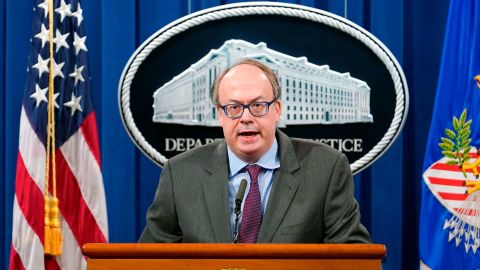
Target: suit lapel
<point>215,188</point>
<point>283,191</point>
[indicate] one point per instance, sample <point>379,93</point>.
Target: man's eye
<point>257,106</point>
<point>234,107</point>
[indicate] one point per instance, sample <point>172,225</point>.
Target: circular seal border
<point>267,8</point>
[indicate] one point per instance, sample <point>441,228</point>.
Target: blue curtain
<point>388,191</point>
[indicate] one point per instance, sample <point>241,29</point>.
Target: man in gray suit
<point>298,191</point>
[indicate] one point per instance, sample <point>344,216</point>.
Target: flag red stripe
<point>453,196</point>
<point>52,264</point>
<point>470,212</point>
<point>445,167</point>
<point>446,181</point>
<point>89,131</point>
<point>30,199</point>
<point>451,168</point>
<point>73,207</point>
<point>15,260</point>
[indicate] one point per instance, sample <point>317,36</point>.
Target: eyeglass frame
<point>268,103</point>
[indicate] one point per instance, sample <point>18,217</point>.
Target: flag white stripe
<point>32,151</point>
<point>25,242</point>
<point>449,189</point>
<point>457,176</point>
<point>71,253</point>
<point>85,168</point>
<point>455,203</point>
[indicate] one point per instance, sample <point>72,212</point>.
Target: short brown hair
<point>272,77</point>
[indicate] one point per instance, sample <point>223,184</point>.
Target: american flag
<point>78,171</point>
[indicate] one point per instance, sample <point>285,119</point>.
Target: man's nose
<point>247,116</point>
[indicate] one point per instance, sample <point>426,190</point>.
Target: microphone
<point>238,206</point>
<point>240,194</point>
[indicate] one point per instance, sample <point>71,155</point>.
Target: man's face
<point>249,137</point>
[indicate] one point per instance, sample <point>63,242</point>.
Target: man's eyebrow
<point>234,101</point>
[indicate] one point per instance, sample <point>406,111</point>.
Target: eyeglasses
<point>257,109</point>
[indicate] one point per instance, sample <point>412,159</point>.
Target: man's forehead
<point>245,81</point>
<point>245,69</point>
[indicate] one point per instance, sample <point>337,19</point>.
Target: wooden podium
<point>234,256</point>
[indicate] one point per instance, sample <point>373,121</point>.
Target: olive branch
<point>456,145</point>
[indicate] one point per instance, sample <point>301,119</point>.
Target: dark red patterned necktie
<point>252,209</point>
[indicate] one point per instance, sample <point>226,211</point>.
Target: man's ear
<point>277,109</point>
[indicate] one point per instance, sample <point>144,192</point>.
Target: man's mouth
<point>248,133</point>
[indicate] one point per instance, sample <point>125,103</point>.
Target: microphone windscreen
<point>241,191</point>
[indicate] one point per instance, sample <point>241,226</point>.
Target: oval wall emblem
<point>340,85</point>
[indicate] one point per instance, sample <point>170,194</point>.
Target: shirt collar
<point>268,161</point>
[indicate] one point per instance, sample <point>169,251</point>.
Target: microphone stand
<point>238,205</point>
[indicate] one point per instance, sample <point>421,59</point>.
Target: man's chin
<point>249,153</point>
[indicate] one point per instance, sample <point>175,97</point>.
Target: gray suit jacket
<point>311,200</point>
